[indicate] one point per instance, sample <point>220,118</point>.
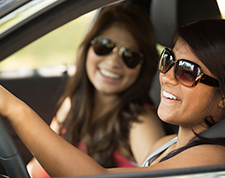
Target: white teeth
<point>109,74</point>
<point>170,96</point>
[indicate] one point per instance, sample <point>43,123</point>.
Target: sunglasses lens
<point>166,59</point>
<point>131,58</point>
<point>186,72</point>
<point>102,46</point>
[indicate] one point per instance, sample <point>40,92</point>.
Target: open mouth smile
<point>109,74</point>
<point>170,96</point>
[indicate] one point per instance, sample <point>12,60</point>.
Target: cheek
<point>160,78</point>
<point>91,58</point>
<point>91,62</point>
<point>88,61</point>
<point>198,102</point>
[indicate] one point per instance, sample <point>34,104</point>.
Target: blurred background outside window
<point>58,47</point>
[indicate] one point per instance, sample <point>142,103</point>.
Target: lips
<point>170,96</point>
<point>109,74</point>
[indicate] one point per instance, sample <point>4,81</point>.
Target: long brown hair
<point>111,130</point>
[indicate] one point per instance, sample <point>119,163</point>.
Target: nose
<point>168,78</point>
<point>114,59</point>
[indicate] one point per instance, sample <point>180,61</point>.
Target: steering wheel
<point>9,155</point>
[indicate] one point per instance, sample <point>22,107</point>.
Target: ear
<point>222,102</point>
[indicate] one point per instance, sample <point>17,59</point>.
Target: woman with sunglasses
<point>110,112</point>
<point>192,96</point>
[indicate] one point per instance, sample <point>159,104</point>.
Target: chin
<point>166,116</point>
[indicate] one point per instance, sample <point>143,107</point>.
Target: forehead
<point>119,34</point>
<point>182,50</point>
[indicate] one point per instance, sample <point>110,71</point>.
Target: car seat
<point>216,131</point>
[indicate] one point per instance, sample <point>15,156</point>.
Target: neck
<point>186,134</point>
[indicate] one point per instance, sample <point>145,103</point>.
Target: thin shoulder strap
<point>216,131</point>
<point>161,149</point>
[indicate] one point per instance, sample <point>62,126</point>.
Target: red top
<point>120,160</point>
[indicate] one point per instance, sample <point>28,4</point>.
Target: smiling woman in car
<point>192,82</point>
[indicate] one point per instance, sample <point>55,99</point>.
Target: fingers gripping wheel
<point>9,155</point>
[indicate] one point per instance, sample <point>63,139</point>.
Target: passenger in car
<point>192,96</point>
<point>106,110</point>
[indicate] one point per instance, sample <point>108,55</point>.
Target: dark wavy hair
<point>111,130</point>
<point>206,39</point>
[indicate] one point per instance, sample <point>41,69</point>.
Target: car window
<point>58,47</point>
<point>13,15</point>
<point>221,4</point>
<point>9,5</point>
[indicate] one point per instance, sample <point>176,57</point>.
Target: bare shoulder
<point>63,110</point>
<point>148,119</point>
<point>162,141</point>
<point>60,116</point>
<point>206,154</point>
<point>150,122</point>
<point>148,114</point>
<point>146,111</point>
<point>66,103</point>
<point>144,134</point>
<point>201,155</point>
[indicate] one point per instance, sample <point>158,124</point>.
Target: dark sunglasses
<point>186,72</point>
<point>104,46</point>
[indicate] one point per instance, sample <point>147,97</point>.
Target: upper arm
<point>201,155</point>
<point>143,135</point>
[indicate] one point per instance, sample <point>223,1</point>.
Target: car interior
<point>41,93</point>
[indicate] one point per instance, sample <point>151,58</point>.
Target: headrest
<point>167,14</point>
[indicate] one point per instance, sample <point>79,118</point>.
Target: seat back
<point>167,14</point>
<point>216,131</point>
<point>41,93</point>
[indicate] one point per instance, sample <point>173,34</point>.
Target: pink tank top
<point>120,160</point>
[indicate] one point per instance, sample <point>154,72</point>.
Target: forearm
<point>58,157</point>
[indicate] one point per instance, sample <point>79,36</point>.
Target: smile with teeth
<point>109,74</point>
<point>170,96</point>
